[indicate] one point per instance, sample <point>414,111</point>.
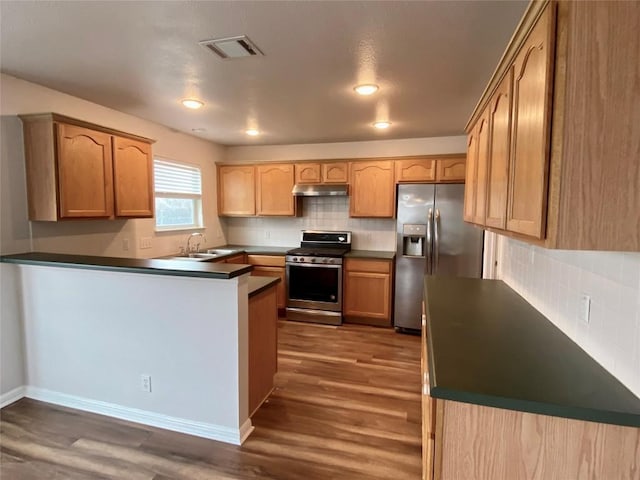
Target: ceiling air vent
<point>232,47</point>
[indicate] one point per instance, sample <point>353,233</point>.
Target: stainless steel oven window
<point>314,286</point>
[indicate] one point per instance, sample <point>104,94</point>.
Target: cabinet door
<point>281,293</point>
<point>470,175</point>
<point>450,170</point>
<point>532,87</point>
<point>372,189</point>
<point>85,172</point>
<point>307,173</point>
<point>367,294</point>
<point>497,176</point>
<point>479,211</point>
<point>335,172</point>
<point>236,190</point>
<point>367,289</point>
<point>133,178</point>
<point>273,189</point>
<point>415,170</point>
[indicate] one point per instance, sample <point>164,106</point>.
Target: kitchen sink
<point>210,255</point>
<point>218,251</point>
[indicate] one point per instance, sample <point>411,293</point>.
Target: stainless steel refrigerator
<point>431,238</point>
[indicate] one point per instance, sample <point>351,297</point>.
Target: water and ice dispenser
<point>413,240</point>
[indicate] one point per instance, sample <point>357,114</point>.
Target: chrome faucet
<point>197,246</point>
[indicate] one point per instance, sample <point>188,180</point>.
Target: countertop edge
<point>268,283</point>
<point>168,271</point>
<point>527,406</point>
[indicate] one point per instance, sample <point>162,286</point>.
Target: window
<point>178,191</point>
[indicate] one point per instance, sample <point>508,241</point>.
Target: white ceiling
<point>432,60</point>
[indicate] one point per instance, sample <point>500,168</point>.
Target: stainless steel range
<point>314,277</point>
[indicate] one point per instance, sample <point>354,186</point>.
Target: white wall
<point>376,148</point>
<point>93,237</point>
<point>328,213</point>
<point>89,335</point>
<point>553,281</point>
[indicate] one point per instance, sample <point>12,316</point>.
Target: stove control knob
<point>330,260</point>
<point>295,259</point>
<point>313,260</point>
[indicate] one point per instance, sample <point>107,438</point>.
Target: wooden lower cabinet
<point>271,266</point>
<point>367,291</point>
<point>263,346</point>
<point>240,258</point>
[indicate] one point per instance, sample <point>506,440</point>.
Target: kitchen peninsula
<point>95,327</point>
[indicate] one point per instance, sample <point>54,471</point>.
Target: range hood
<point>320,190</point>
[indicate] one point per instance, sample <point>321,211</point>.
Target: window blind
<point>176,178</point>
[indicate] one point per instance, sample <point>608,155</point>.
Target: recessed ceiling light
<point>252,132</point>
<point>367,89</point>
<point>192,103</point>
<point>198,130</point>
<point>382,125</point>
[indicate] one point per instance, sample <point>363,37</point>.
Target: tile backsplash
<point>553,281</point>
<point>322,213</point>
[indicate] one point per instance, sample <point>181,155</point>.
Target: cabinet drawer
<point>362,265</point>
<point>266,260</point>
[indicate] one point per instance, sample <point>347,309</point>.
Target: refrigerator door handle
<point>436,240</point>
<point>429,248</point>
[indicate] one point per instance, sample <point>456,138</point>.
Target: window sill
<point>177,229</point>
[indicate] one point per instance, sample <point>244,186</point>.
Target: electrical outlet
<point>145,383</point>
<point>125,244</point>
<point>145,242</point>
<point>267,234</point>
<point>585,308</point>
<point>530,256</point>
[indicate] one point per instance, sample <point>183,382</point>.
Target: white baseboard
<point>12,396</point>
<point>191,427</point>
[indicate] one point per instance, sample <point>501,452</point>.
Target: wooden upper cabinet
<point>451,170</point>
<point>532,88</point>
<point>415,170</point>
<point>76,169</point>
<point>85,173</point>
<point>479,211</point>
<point>372,189</point>
<point>133,178</point>
<point>274,184</point>
<point>471,175</point>
<point>331,172</point>
<point>335,172</point>
<point>308,173</point>
<point>236,190</point>
<point>498,168</point>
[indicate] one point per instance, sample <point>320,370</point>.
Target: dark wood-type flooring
<point>346,406</point>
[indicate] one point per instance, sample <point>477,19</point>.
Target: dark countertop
<point>373,254</point>
<point>488,346</point>
<point>260,284</point>
<point>177,268</point>
<point>258,250</point>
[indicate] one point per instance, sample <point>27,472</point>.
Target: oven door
<point>314,286</point>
